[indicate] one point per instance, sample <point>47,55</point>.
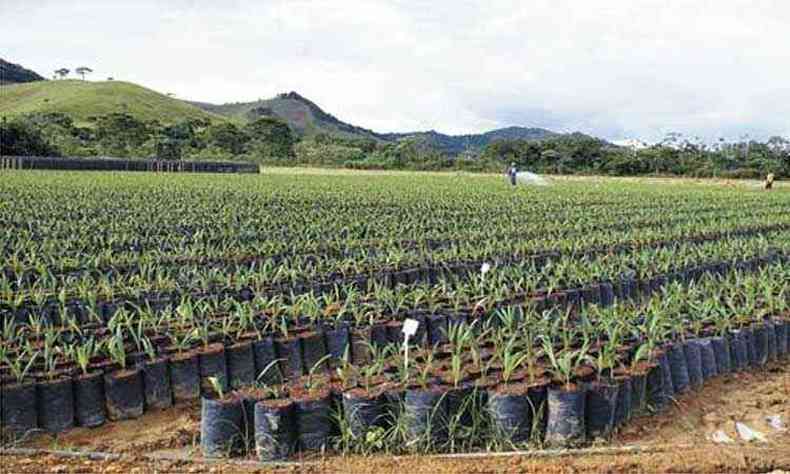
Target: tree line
<point>271,141</point>
<point>122,135</point>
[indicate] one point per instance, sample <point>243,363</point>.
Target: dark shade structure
<point>116,164</point>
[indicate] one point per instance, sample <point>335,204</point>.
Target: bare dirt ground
<point>677,440</point>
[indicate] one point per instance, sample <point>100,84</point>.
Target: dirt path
<point>676,441</point>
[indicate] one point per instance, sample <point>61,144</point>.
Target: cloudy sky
<point>616,69</point>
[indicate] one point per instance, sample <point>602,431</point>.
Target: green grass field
<point>84,99</point>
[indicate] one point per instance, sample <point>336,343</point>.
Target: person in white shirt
<point>511,173</point>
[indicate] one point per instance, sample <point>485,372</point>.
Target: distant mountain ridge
<point>83,99</point>
<point>455,144</point>
<point>11,73</point>
<point>307,118</point>
<point>303,115</point>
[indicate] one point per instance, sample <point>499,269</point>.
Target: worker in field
<point>769,181</point>
<point>511,173</point>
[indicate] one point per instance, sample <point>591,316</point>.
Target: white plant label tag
<point>410,327</point>
<point>485,268</point>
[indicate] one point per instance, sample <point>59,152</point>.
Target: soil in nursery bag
<point>462,402</point>
<point>666,373</point>
<point>313,350</point>
<point>364,410</point>
<point>425,412</point>
<point>761,336</point>
<point>267,369</point>
<point>185,377</point>
<point>573,298</point>
<point>420,338</point>
<point>275,429</point>
<point>360,349</point>
<point>591,295</point>
<point>786,324</point>
<point>722,353</point>
<point>708,359</point>
<point>221,427</point>
<point>600,407</point>
<point>538,397</point>
<point>156,384</point>
<point>630,290</point>
<point>458,318</point>
<point>656,396</point>
<point>394,332</point>
<point>337,342</point>
<point>618,290</point>
<point>378,336</point>
<point>241,364</point>
<point>771,335</point>
<point>289,352</point>
<point>739,349</point>
<point>751,347</point>
<point>638,390</point>
<point>510,410</point>
<point>89,408</point>
<point>624,406</point>
<point>55,405</point>
<point>124,394</point>
<point>691,349</point>
<point>780,328</point>
<point>213,364</point>
<point>565,426</point>
<point>393,396</point>
<point>645,290</point>
<point>437,329</point>
<point>607,294</point>
<point>18,408</point>
<point>249,396</point>
<point>314,420</point>
<point>678,367</point>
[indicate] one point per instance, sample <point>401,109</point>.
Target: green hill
<point>304,116</point>
<point>84,99</point>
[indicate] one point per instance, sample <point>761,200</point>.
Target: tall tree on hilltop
<point>82,70</point>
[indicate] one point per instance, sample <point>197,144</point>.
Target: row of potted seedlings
<point>753,217</point>
<point>245,286</point>
<point>355,309</point>
<point>131,367</point>
<point>560,380</point>
<point>67,225</point>
<point>27,274</point>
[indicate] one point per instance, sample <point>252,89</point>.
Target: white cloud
<point>618,69</point>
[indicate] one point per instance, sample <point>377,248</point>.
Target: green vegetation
<point>562,154</point>
<point>79,118</point>
<point>293,275</point>
<point>303,116</point>
<point>83,100</point>
<point>122,135</point>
